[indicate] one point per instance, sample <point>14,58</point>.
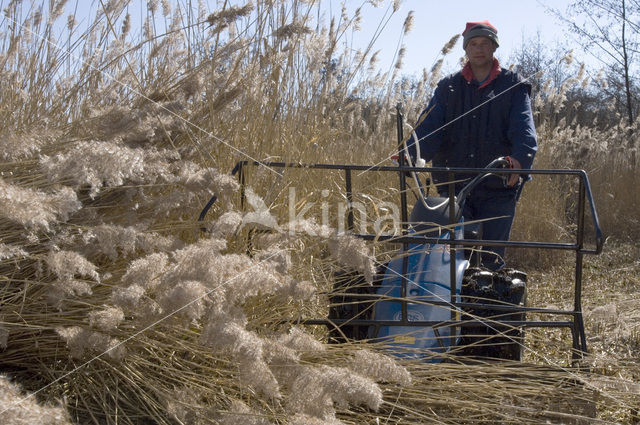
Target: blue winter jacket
<point>469,125</point>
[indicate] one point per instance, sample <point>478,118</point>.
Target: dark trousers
<point>495,212</point>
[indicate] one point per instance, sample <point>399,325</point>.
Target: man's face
<point>480,51</point>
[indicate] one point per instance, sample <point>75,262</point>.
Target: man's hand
<point>514,164</point>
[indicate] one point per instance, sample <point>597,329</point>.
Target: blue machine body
<point>428,280</point>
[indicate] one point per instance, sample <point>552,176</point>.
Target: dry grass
<point>116,306</point>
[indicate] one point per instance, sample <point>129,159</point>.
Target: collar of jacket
<point>467,73</point>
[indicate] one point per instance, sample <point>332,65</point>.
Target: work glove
<point>514,164</point>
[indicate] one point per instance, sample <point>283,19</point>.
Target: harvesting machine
<point>432,299</point>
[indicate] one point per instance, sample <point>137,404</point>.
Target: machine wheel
<point>493,340</point>
<point>346,302</point>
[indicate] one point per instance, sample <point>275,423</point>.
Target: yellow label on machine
<point>404,339</point>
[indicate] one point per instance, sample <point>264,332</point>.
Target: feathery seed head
<point>401,53</point>
<point>166,8</point>
<point>300,340</point>
<point>106,319</point>
<point>19,409</point>
<point>226,225</point>
<point>186,299</point>
<point>450,44</point>
<point>568,58</point>
<point>379,367</point>
<point>37,210</point>
<point>292,30</point>
<point>224,17</point>
<point>126,26</point>
<point>67,264</point>
<point>408,23</point>
<point>128,298</point>
<point>354,253</point>
<point>8,252</point>
<point>146,272</point>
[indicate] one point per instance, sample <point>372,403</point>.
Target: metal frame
<point>574,321</point>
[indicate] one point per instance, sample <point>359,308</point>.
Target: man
<point>475,116</point>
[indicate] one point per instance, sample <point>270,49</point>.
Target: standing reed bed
<point>116,305</point>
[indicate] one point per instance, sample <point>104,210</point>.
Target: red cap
<point>479,29</point>
<point>473,24</point>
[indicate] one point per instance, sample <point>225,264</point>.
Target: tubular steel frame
<point>575,320</point>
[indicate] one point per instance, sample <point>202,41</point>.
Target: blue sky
<point>435,22</point>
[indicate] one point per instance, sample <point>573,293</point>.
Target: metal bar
<point>401,175</point>
<point>599,238</point>
<point>436,333</point>
<point>396,168</point>
<point>242,180</point>
<point>206,208</point>
<point>575,347</point>
<point>404,214</point>
<point>452,252</point>
<point>581,344</point>
<point>240,169</point>
<point>452,223</point>
<point>348,188</point>
<point>594,216</point>
<point>431,323</point>
<point>477,306</point>
<point>466,242</point>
